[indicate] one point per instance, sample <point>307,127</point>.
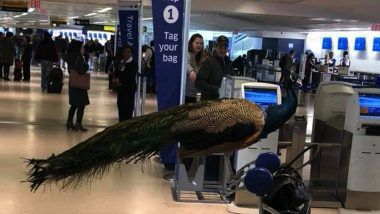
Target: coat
<point>210,76</point>
<point>8,51</point>
<point>192,65</point>
<point>46,51</point>
<point>78,97</point>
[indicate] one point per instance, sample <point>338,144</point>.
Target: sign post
<point>170,24</point>
<point>129,32</point>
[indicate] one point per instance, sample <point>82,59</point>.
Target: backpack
<point>289,194</point>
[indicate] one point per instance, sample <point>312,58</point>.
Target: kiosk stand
<point>347,127</point>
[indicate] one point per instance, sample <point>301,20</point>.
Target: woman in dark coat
<point>8,54</point>
<point>78,98</point>
<point>125,79</point>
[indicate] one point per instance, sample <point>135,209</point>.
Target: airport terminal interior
<point>169,106</point>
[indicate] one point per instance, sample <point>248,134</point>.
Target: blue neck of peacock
<point>278,115</point>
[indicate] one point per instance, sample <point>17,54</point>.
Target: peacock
<point>201,128</point>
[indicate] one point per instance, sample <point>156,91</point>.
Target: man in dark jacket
<point>286,64</point>
<point>46,54</point>
<point>212,71</point>
<point>208,81</point>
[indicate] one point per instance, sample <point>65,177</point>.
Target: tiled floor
<point>32,125</point>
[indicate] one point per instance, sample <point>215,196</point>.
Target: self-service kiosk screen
<point>369,104</point>
<point>262,97</point>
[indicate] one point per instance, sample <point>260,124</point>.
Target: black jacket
<point>27,53</point>
<point>47,51</point>
<point>127,75</point>
<point>210,76</point>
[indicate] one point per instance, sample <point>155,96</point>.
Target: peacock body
<point>202,128</point>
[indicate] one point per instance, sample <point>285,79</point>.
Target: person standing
<point>150,68</point>
<point>1,54</point>
<point>125,81</point>
<point>8,54</point>
<point>26,58</point>
<point>194,60</point>
<point>109,48</point>
<point>310,64</point>
<point>46,54</point>
<point>208,82</point>
<point>78,98</point>
<point>346,62</point>
<point>212,71</point>
<point>286,64</point>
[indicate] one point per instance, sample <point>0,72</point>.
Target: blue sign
<point>168,30</point>
<point>327,43</point>
<point>360,44</point>
<point>376,44</point>
<point>129,30</point>
<point>343,43</point>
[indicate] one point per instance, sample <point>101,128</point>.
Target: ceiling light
<point>73,17</point>
<point>31,10</point>
<point>318,19</point>
<point>91,14</point>
<point>31,21</point>
<point>24,14</point>
<point>100,22</point>
<point>337,20</point>
<point>147,19</point>
<point>46,20</point>
<point>6,18</point>
<point>18,16</point>
<point>105,10</point>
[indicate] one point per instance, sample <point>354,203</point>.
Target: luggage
<point>55,81</point>
<point>18,70</point>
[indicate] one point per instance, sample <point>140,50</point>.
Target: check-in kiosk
<point>361,188</point>
<point>347,126</point>
<point>264,95</point>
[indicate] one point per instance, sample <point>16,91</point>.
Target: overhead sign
<point>82,22</point>
<point>14,6</point>
<point>35,4</point>
<point>375,27</point>
<point>168,35</point>
<point>55,20</point>
<point>106,28</point>
<point>129,29</point>
<point>109,28</point>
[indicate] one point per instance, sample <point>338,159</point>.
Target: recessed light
<point>91,14</point>
<point>100,22</point>
<point>105,10</point>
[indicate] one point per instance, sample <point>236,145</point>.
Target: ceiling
<point>226,15</point>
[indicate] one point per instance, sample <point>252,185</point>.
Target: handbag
<point>79,81</point>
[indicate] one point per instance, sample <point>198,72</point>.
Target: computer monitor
<point>369,105</point>
<point>262,97</point>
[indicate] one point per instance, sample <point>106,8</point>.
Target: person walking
<point>194,60</point>
<point>78,98</point>
<point>26,58</point>
<point>286,64</point>
<point>46,54</point>
<point>125,82</point>
<point>8,54</point>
